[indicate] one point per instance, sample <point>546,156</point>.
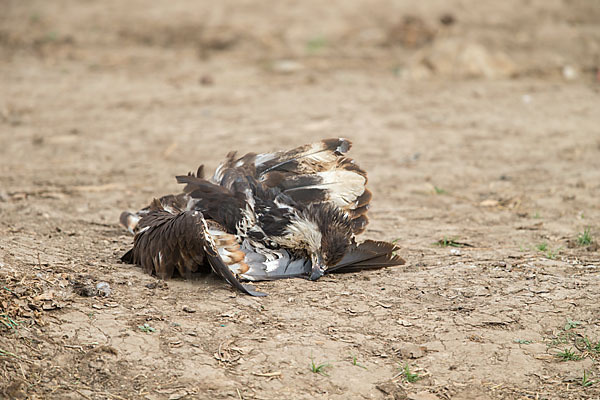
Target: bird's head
<point>333,237</point>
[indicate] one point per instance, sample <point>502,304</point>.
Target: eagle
<point>285,214</point>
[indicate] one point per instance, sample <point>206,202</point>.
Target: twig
<point>82,395</point>
<point>70,346</point>
<point>268,374</point>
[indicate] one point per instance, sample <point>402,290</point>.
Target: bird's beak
<point>317,267</point>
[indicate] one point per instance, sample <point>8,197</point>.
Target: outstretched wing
<point>185,243</point>
<point>313,173</point>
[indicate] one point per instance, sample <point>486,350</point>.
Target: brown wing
<point>313,173</point>
<point>181,242</point>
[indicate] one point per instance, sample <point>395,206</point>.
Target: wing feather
<point>319,172</point>
<point>181,242</point>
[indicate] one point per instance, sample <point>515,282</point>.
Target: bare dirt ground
<point>478,123</point>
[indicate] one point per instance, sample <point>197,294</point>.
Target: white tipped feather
<point>343,147</point>
<point>218,175</point>
<point>263,158</point>
<point>267,264</point>
<point>170,209</point>
<point>344,186</point>
<point>317,155</point>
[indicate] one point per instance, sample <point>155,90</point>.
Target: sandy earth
<point>477,122</point>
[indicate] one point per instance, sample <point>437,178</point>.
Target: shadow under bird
<point>267,216</point>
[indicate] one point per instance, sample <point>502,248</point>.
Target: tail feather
<point>369,255</point>
<point>128,257</point>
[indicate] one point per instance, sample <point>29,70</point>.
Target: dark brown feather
<point>167,243</point>
<point>217,202</point>
<point>364,199</point>
<point>368,255</point>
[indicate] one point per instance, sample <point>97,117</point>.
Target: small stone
<point>410,351</point>
<point>287,66</point>
<point>569,73</point>
<point>489,203</point>
<point>455,252</point>
<point>103,289</point>
<point>447,19</point>
<point>188,309</point>
<point>178,395</point>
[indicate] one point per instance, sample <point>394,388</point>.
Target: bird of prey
<point>267,216</point>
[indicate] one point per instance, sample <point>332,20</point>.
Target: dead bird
<point>267,216</point>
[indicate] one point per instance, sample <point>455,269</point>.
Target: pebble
<point>569,73</point>
<point>410,350</point>
<point>287,66</point>
<point>103,289</point>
